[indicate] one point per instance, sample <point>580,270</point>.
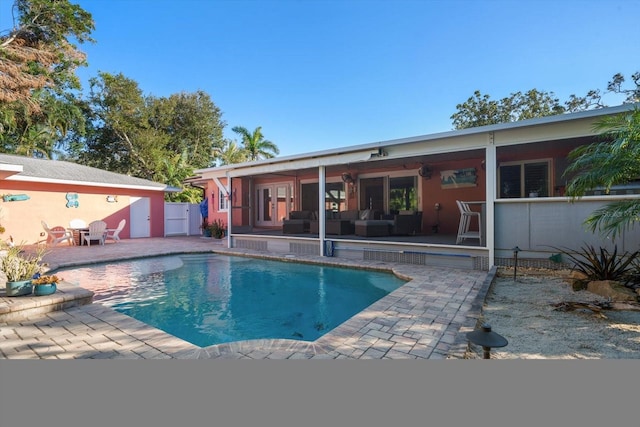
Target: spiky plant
<point>602,265</point>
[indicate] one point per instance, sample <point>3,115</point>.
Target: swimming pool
<point>209,299</point>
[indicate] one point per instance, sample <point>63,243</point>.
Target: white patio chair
<point>464,227</point>
<point>57,234</point>
<point>114,233</point>
<point>97,231</point>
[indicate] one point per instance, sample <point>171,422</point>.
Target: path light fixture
<point>515,261</point>
<point>487,339</point>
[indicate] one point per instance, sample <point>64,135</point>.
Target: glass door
<point>273,204</point>
<point>372,194</point>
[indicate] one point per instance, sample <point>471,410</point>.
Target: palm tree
<point>231,153</point>
<point>254,143</point>
<point>605,164</point>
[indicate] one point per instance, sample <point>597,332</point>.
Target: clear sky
<point>321,74</point>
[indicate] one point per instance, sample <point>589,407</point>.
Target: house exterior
<point>57,192</point>
<point>512,173</point>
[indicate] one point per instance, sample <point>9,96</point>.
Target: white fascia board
<point>88,183</point>
<point>303,163</point>
<point>5,167</point>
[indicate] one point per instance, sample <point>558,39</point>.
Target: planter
<point>23,287</point>
<point>46,289</point>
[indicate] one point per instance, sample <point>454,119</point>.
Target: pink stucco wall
<point>47,202</point>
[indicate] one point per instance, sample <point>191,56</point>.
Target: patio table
<point>77,234</point>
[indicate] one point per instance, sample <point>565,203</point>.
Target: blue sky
<point>324,74</point>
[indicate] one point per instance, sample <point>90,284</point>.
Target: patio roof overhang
<point>457,144</point>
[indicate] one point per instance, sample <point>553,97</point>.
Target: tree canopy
<point>481,110</point>
<point>156,138</point>
<point>37,75</point>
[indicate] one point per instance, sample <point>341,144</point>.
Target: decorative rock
<point>612,289</point>
<point>577,280</point>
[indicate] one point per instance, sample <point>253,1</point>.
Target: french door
<point>273,204</point>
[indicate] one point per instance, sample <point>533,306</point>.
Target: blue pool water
<point>209,299</point>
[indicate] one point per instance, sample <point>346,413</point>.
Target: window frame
<point>223,202</point>
<point>522,164</point>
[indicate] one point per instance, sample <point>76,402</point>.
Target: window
<point>335,196</point>
<point>223,202</point>
<point>403,193</point>
<point>524,179</point>
<point>392,193</point>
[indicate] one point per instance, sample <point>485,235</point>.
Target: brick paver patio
<point>427,318</point>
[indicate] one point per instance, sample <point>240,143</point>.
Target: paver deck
<point>426,318</point>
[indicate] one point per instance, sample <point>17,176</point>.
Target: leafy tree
<point>121,138</point>
<point>607,163</point>
<point>254,143</point>
<point>193,123</point>
<point>160,139</point>
<point>481,110</point>
<point>37,74</point>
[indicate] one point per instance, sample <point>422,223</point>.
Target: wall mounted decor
<point>72,200</point>
<point>15,197</point>
<point>458,178</point>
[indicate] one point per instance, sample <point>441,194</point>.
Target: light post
<point>487,339</point>
<point>515,261</point>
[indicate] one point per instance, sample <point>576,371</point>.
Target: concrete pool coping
<point>426,318</point>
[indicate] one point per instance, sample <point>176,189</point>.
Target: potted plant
<point>45,284</point>
<point>20,268</point>
<point>206,229</point>
<point>217,228</point>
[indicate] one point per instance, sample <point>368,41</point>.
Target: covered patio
<point>399,200</point>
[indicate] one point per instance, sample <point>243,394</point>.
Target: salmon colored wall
<point>238,215</point>
<point>47,202</point>
<point>432,193</point>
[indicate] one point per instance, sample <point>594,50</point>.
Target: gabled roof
<point>63,172</point>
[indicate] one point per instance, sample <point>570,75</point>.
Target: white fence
<point>182,219</point>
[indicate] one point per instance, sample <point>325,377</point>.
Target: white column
<point>321,208</point>
<point>491,176</point>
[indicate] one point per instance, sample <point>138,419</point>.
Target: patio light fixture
<point>487,339</point>
<point>515,261</point>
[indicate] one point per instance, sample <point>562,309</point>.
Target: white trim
<point>220,186</point>
<point>41,180</point>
